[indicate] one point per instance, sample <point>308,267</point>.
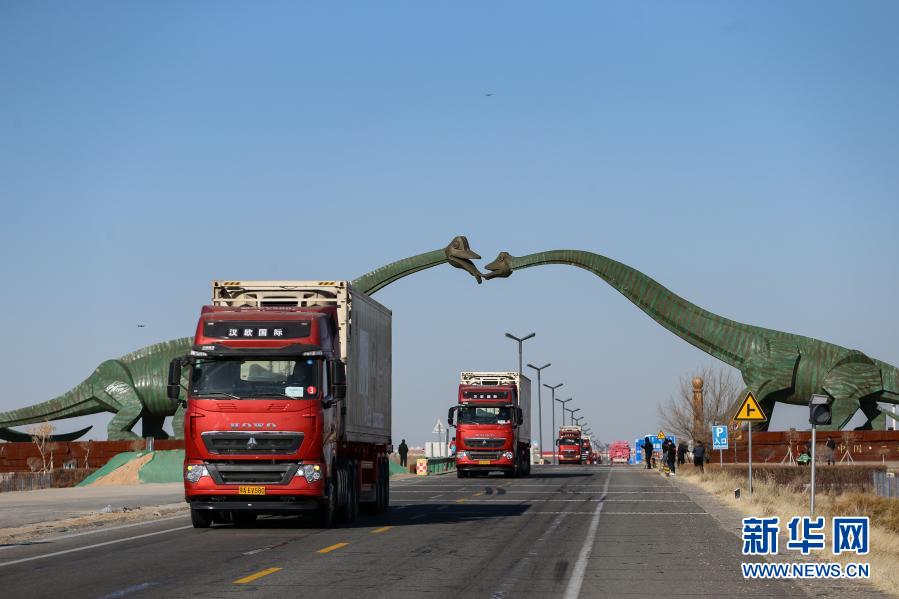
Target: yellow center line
<point>382,529</point>
<point>332,547</point>
<point>478,494</point>
<point>257,575</point>
<point>460,500</point>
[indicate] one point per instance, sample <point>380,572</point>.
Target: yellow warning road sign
<point>661,435</point>
<point>750,411</point>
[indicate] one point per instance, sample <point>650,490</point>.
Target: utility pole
<point>540,404</point>
<point>553,405</point>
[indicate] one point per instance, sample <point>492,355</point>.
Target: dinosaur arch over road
<point>776,366</point>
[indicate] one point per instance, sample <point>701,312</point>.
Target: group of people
<point>674,454</point>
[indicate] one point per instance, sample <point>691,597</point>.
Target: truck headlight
<point>508,455</point>
<point>194,472</point>
<point>461,454</point>
<point>311,472</point>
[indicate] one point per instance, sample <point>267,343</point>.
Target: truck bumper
<point>272,506</point>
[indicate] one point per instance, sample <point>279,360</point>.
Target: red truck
<point>587,455</point>
<point>619,452</point>
<point>288,403</point>
<point>493,424</point>
<point>570,445</point>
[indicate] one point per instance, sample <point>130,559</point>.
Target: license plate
<point>485,462</point>
<point>251,490</point>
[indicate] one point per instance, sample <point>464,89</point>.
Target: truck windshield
<point>480,415</point>
<point>565,441</point>
<point>252,378</point>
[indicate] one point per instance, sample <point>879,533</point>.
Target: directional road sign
<point>750,411</point>
<point>719,437</point>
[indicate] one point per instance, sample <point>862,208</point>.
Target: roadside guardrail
<point>427,466</point>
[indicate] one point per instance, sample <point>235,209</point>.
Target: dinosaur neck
<point>381,277</point>
<point>727,340</point>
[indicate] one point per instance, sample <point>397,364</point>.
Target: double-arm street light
<point>520,341</point>
<point>572,414</point>
<point>540,404</point>
<point>553,406</point>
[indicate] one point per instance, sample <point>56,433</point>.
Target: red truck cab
<point>492,421</point>
<point>570,445</point>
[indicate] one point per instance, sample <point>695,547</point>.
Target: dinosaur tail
<point>77,402</point>
<point>720,337</point>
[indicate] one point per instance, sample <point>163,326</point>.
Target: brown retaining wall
<point>772,447</point>
<point>24,457</point>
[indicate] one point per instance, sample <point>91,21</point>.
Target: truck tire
<point>328,509</point>
<point>385,487</point>
<point>201,518</point>
<point>461,474</point>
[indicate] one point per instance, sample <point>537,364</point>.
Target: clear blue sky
<point>745,154</point>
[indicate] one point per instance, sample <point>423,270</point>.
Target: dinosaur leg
<point>842,411</point>
<point>128,412</point>
<point>152,426</point>
<point>178,423</point>
<point>872,412</point>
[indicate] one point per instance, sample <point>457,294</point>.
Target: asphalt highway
<point>578,531</point>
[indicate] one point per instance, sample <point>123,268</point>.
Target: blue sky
<point>746,155</point>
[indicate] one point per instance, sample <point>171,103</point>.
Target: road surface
<point>580,531</point>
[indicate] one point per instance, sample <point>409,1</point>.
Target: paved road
<point>588,531</point>
<point>30,507</point>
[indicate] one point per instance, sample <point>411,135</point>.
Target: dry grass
<point>786,500</point>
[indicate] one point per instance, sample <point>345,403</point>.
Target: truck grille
<point>252,443</point>
<point>484,455</point>
<point>478,442</point>
<point>269,474</point>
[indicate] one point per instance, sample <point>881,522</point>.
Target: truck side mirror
<point>450,417</point>
<point>338,380</point>
<point>520,414</point>
<point>173,388</point>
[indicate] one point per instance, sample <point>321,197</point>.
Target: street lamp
<point>572,414</point>
<point>553,405</point>
<point>520,342</point>
<point>540,404</point>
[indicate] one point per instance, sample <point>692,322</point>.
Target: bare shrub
<point>40,436</point>
<point>721,385</point>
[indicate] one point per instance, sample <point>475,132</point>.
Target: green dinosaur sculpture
<point>134,386</point>
<point>776,366</point>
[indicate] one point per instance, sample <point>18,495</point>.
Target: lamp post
<point>563,402</point>
<point>553,405</point>
<point>572,415</point>
<point>540,405</point>
<point>520,343</point>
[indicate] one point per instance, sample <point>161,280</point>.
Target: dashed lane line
<point>257,575</point>
<point>382,529</point>
<point>573,589</point>
<point>333,547</point>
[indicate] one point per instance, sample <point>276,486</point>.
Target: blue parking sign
<point>719,437</point>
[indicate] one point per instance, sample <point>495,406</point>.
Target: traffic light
<point>819,410</point>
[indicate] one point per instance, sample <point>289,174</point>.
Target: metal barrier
<point>439,465</point>
<point>886,484</point>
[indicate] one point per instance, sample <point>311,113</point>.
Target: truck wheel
<point>201,518</point>
<point>328,509</point>
<point>385,501</point>
<point>461,474</point>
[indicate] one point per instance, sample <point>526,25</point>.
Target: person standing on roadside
<point>403,450</point>
<point>681,453</point>
<point>831,446</point>
<point>699,456</point>
<point>647,451</point>
<point>672,457</point>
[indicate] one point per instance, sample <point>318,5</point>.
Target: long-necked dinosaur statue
<point>133,387</point>
<point>776,366</point>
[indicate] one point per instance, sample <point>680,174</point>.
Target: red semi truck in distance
<point>288,403</point>
<point>493,424</point>
<point>587,456</point>
<point>619,452</point>
<point>570,445</point>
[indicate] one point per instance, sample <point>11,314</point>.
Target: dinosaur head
<point>501,267</point>
<point>460,255</point>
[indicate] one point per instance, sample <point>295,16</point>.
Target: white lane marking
<point>94,546</point>
<point>535,513</point>
<point>128,590</point>
<point>39,540</point>
<point>573,590</point>
<point>585,500</point>
<point>561,492</point>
